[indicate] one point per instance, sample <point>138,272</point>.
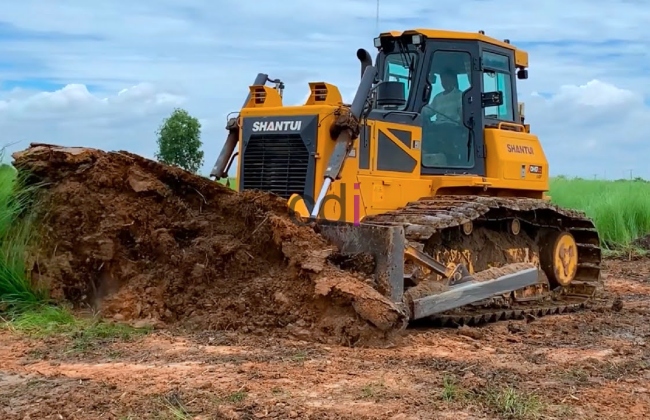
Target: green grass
<point>16,290</point>
<point>86,333</point>
<point>507,402</point>
<point>620,209</point>
<point>44,321</point>
<point>232,181</point>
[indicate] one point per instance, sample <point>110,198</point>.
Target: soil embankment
<point>140,240</point>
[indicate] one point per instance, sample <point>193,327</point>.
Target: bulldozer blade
<point>385,243</point>
<point>472,291</point>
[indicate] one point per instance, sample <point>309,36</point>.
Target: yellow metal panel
<point>264,96</point>
<point>324,94</point>
<point>414,150</point>
<point>509,152</point>
<point>361,192</point>
<point>380,194</point>
<point>521,58</point>
<point>442,182</point>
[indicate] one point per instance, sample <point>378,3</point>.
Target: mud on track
<point>593,364</point>
<point>139,240</point>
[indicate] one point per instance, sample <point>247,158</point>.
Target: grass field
<point>620,209</point>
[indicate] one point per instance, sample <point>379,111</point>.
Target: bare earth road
<point>589,365</point>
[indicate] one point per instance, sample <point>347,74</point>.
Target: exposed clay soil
<point>139,240</point>
<point>593,364</point>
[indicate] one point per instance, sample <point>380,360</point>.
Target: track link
<point>441,219</point>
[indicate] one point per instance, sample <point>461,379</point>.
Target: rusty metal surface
<point>423,218</point>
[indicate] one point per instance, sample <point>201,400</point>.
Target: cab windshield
<point>400,67</point>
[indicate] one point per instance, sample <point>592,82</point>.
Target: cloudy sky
<point>105,73</point>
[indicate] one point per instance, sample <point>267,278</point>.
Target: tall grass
<point>620,209</point>
<point>16,290</point>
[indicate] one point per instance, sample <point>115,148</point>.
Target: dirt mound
<point>141,240</point>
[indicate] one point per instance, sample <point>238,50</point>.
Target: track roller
<point>559,257</point>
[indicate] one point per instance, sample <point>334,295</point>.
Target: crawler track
<point>434,225</point>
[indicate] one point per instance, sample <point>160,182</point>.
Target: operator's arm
<point>427,113</point>
<point>429,110</point>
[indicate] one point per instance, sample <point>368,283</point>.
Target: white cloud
<point>125,65</point>
<point>593,127</point>
<point>72,115</point>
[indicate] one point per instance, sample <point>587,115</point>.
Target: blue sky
<point>105,74</point>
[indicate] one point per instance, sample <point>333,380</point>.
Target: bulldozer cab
<point>452,86</point>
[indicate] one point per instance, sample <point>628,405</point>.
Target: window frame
<point>470,88</point>
<point>473,106</point>
<point>513,100</point>
<point>413,80</point>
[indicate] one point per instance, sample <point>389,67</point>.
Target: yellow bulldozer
<point>433,171</point>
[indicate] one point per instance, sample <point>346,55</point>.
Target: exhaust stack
<point>365,58</point>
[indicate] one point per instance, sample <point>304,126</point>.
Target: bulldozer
<point>433,171</point>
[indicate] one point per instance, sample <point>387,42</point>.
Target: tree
<point>179,141</point>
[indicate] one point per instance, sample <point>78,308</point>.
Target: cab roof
<point>521,57</point>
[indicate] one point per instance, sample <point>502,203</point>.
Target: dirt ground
<point>593,364</point>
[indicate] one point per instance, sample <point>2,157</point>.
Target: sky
<point>105,74</point>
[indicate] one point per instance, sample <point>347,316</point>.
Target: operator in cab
<point>440,119</point>
<point>447,105</point>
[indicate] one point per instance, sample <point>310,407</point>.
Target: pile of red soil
<point>140,240</point>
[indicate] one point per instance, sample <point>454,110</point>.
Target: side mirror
<point>489,99</point>
<point>522,74</point>
<point>390,93</point>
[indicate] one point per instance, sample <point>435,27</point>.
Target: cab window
<point>397,70</point>
<point>445,138</point>
<point>496,77</point>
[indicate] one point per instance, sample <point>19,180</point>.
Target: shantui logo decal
<point>516,148</point>
<point>287,125</point>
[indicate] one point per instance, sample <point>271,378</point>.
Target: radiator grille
<point>276,163</point>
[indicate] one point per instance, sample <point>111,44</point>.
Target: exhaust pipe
<point>365,58</point>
